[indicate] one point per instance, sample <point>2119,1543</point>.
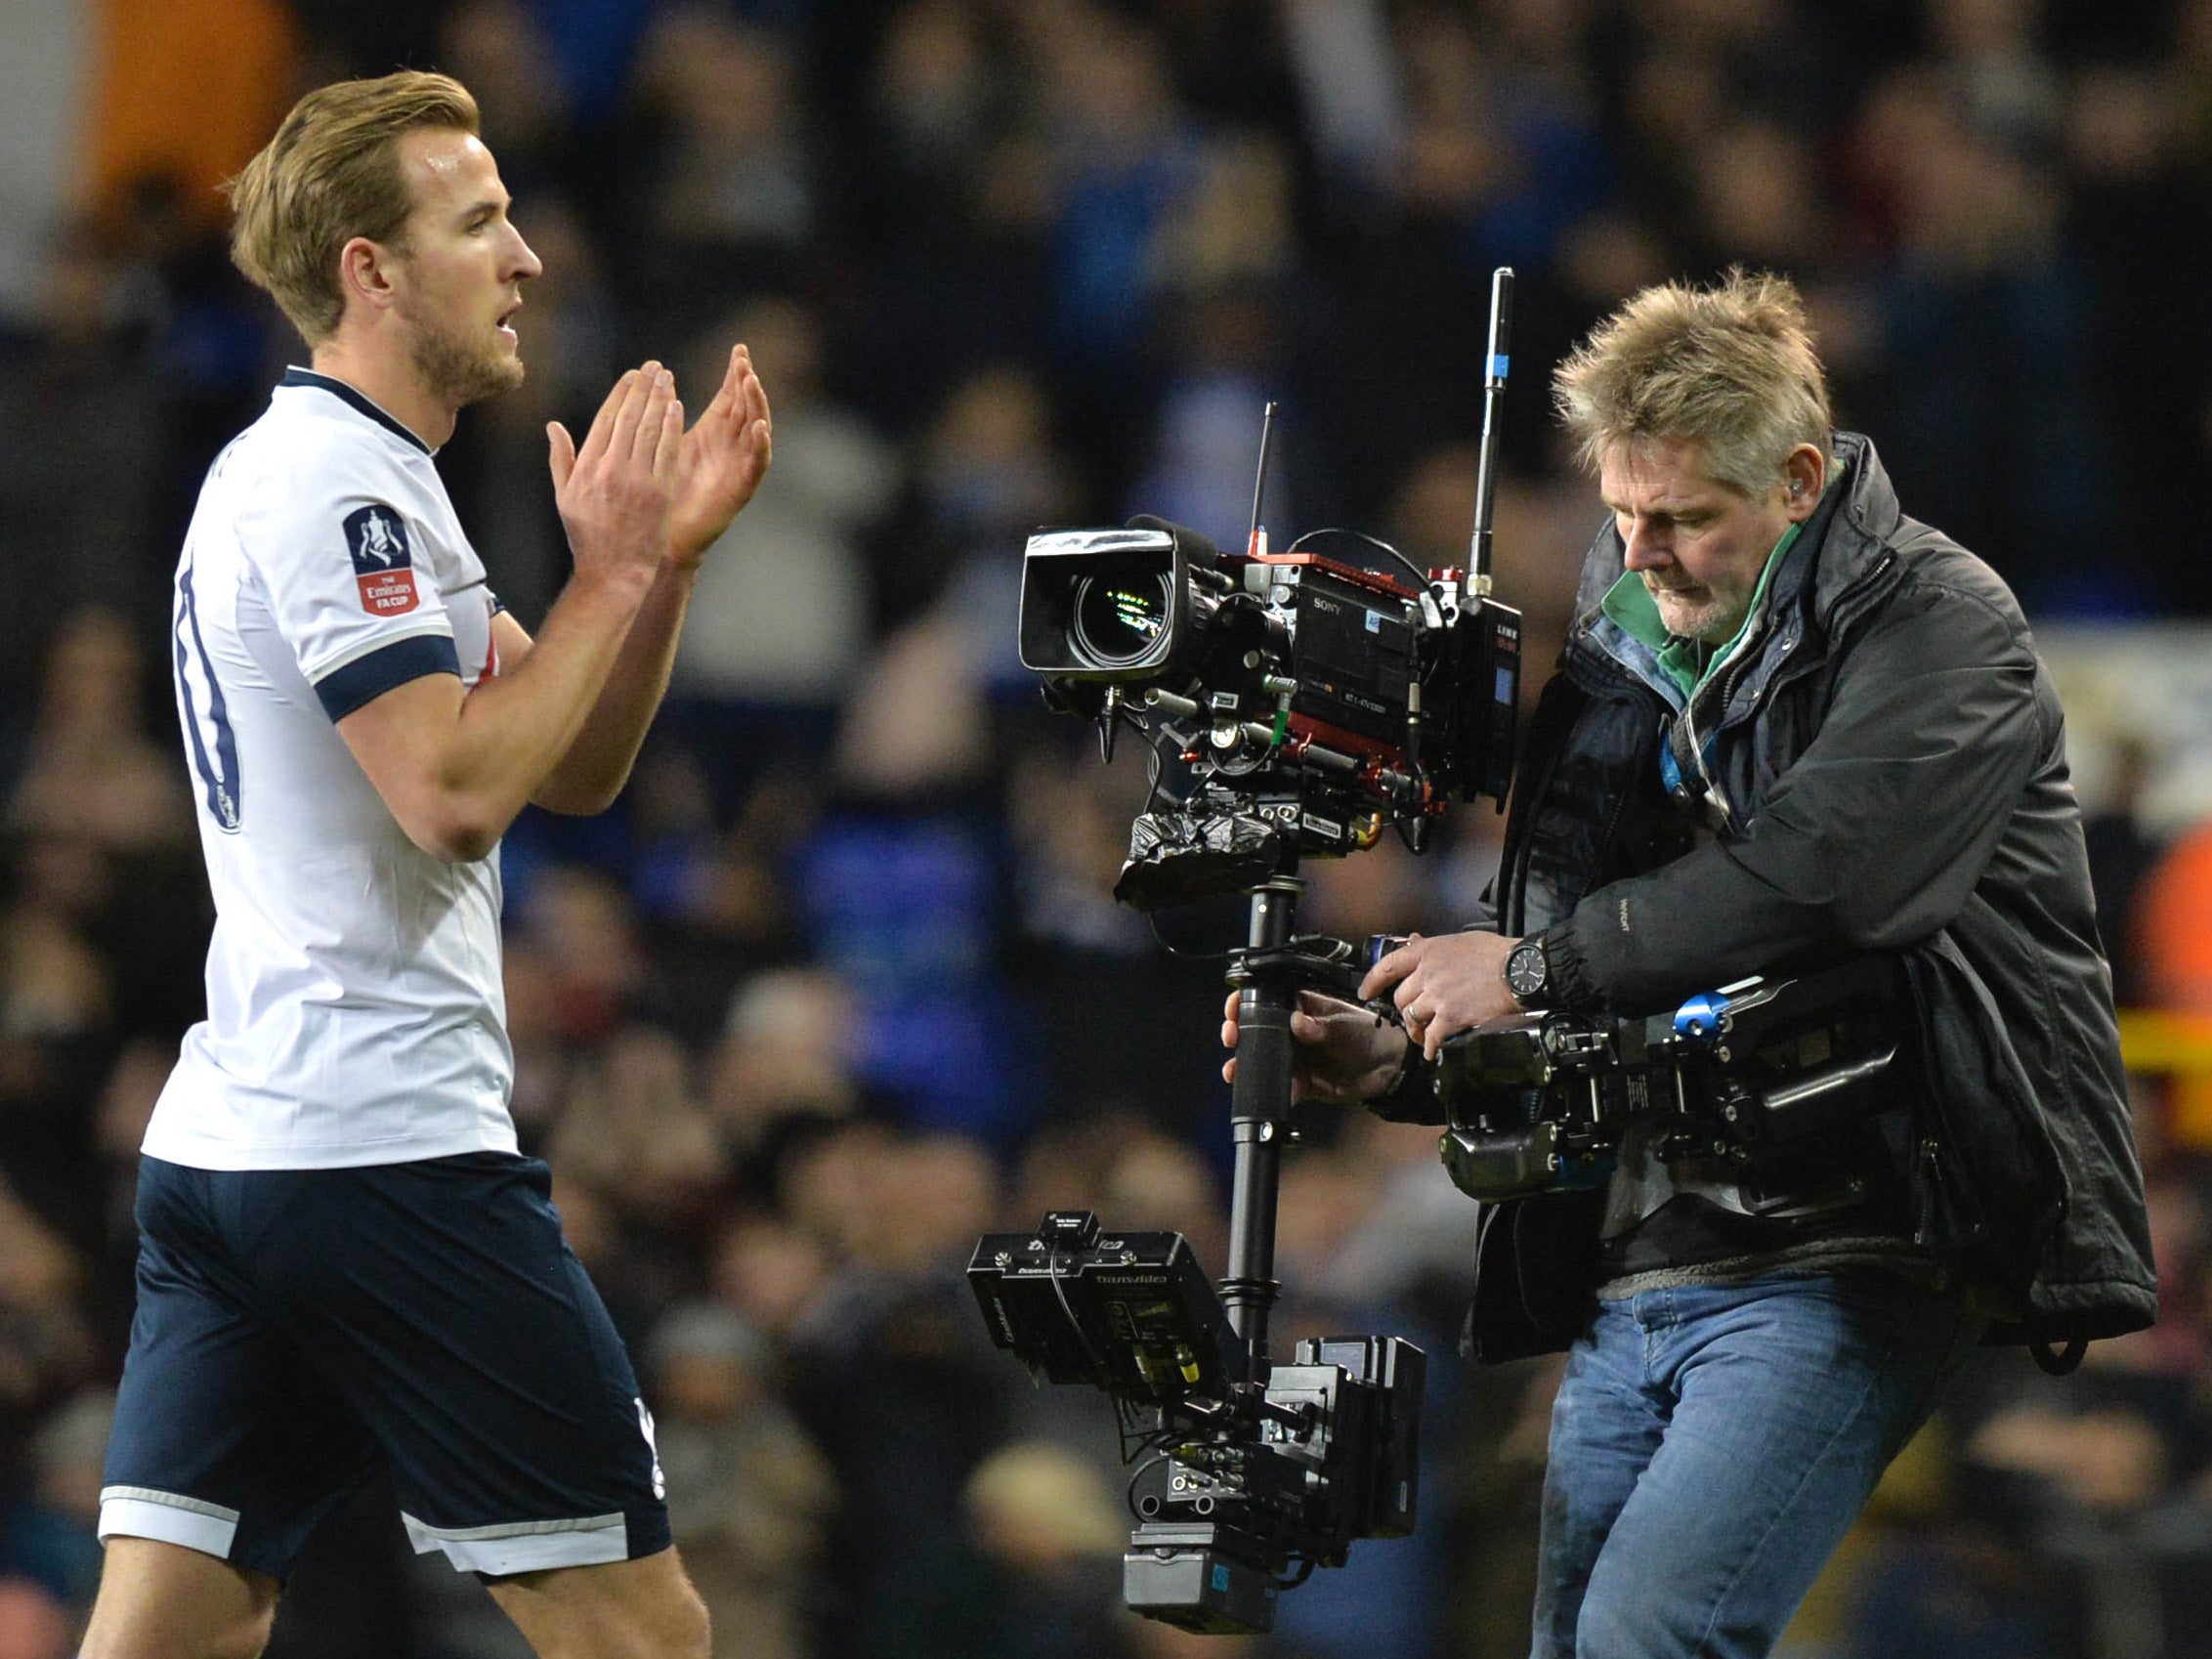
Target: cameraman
<point>1791,725</point>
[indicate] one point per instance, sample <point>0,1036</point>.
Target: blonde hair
<point>331,174</point>
<point>1731,368</point>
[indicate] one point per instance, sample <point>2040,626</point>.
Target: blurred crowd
<point>838,985</point>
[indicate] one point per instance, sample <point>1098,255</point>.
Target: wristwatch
<point>1527,973</point>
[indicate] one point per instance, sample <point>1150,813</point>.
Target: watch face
<point>1525,969</point>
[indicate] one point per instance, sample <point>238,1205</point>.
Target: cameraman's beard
<point>1715,621</point>
<point>457,370</point>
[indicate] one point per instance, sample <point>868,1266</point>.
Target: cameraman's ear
<point>1804,475</point>
<point>1193,546</point>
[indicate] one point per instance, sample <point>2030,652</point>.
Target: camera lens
<point>1117,619</point>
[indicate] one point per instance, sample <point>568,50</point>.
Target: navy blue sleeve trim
<point>366,678</point>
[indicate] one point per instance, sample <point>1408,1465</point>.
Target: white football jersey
<point>355,1013</point>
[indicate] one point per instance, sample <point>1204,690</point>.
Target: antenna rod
<point>1496,362</point>
<point>1254,544</point>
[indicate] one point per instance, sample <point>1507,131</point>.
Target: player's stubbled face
<point>463,266</point>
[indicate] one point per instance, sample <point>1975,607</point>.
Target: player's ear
<point>365,273</point>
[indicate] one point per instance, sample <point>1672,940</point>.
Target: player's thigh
<point>442,1302</point>
<point>226,1440</point>
<point>641,1609</point>
<point>162,1600</point>
<point>1793,1395</point>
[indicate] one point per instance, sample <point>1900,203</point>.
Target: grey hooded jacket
<point>1887,769</point>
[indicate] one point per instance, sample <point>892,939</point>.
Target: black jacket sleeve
<point>1871,839</point>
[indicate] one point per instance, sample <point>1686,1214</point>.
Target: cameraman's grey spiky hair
<point>1732,366</point>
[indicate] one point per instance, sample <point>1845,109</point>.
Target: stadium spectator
<point>782,603</point>
<point>748,1491</point>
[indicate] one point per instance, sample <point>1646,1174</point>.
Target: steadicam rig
<point>1304,703</point>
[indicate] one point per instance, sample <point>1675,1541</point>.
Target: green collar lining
<point>1637,614</point>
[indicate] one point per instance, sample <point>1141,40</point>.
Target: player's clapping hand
<point>615,493</point>
<point>722,461</point>
<point>1344,1052</point>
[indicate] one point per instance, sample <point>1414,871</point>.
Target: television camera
<point>1307,699</point>
<point>1303,703</point>
<point>1311,701</point>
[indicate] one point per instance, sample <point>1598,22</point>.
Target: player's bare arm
<point>456,766</point>
<point>718,467</point>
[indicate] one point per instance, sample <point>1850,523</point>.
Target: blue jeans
<point>1710,1447</point>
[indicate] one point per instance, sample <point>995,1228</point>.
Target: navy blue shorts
<point>298,1329</point>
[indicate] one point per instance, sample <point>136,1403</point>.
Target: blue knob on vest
<point>1698,1020</point>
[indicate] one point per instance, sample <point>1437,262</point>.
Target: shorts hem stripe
<point>175,1500</point>
<point>167,1517</point>
<point>525,1547</point>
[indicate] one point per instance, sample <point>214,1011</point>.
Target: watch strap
<point>1569,984</point>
